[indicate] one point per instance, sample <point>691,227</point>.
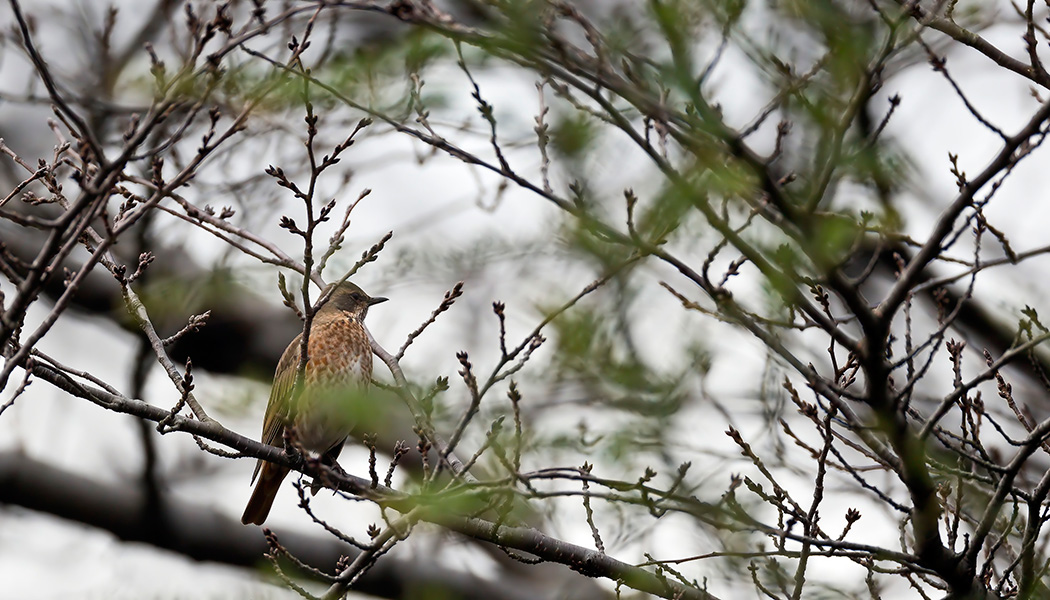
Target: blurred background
<point>98,504</point>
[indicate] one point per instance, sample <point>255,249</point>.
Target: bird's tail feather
<point>263,495</point>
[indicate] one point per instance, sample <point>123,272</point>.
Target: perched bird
<point>338,367</point>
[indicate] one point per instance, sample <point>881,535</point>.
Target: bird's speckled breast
<point>339,354</point>
<point>338,371</point>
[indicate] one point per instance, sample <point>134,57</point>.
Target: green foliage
<point>848,37</point>
<point>519,24</point>
<point>591,349</point>
<point>586,243</point>
<point>363,411</point>
<point>833,240</point>
<point>572,135</point>
<point>780,200</point>
<point>170,299</point>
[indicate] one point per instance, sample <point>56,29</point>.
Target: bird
<point>320,413</point>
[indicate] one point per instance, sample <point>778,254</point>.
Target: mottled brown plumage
<point>339,365</point>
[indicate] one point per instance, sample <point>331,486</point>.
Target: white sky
<point>438,203</point>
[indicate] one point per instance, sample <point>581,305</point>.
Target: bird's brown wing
<point>277,409</point>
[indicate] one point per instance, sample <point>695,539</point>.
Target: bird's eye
<point>356,296</point>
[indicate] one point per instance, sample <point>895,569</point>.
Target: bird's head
<point>349,298</point>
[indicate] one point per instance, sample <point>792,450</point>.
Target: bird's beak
<point>376,300</point>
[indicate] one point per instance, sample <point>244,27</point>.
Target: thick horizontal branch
<point>588,562</point>
<point>202,533</point>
